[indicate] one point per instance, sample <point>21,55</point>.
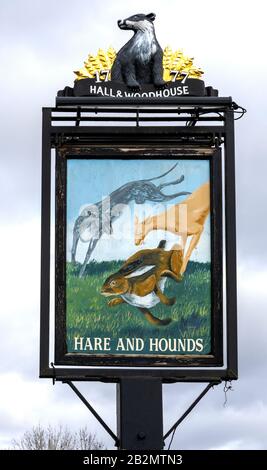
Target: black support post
<point>139,413</point>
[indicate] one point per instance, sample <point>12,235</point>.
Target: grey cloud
<point>43,43</point>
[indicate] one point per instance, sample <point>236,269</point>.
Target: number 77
<point>177,73</point>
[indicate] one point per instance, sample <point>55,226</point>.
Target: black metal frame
<point>189,111</point>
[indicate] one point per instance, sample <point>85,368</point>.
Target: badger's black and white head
<point>139,22</point>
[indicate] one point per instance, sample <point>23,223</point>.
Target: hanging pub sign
<point>138,257</point>
<point>139,226</point>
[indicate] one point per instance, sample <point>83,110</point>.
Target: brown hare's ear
<point>162,244</point>
<point>136,220</point>
<point>151,16</point>
<point>177,259</point>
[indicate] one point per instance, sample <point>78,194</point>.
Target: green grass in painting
<point>88,314</point>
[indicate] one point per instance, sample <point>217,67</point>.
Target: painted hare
<point>141,280</point>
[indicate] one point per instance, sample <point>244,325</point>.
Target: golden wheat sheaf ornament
<point>176,66</point>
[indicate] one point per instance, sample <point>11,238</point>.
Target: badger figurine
<point>139,61</point>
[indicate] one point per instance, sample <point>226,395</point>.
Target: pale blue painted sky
<point>88,181</point>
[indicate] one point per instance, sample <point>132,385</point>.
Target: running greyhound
<point>98,218</point>
<point>185,219</point>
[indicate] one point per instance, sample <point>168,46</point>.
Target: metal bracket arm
<point>191,407</point>
<point>94,412</point>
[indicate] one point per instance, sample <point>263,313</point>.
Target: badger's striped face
<point>138,22</point>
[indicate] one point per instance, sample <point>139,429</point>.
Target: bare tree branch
<point>57,438</point>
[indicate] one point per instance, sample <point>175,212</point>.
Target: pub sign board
<point>138,256</point>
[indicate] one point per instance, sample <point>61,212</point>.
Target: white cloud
<point>237,444</point>
<point>20,293</point>
<point>25,403</point>
<point>240,424</point>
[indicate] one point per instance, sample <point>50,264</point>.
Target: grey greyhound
<point>99,217</point>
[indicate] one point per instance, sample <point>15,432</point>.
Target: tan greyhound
<point>184,219</point>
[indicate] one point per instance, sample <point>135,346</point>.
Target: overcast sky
<point>42,42</point>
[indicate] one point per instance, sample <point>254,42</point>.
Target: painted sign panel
<point>138,280</point>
